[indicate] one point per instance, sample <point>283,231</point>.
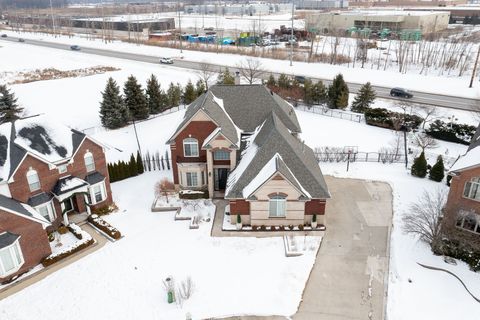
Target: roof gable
<point>471,159</point>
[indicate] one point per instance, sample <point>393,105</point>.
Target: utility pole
<point>53,18</point>
<point>180,26</point>
<point>475,67</point>
<point>291,39</point>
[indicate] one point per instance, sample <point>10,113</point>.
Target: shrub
<point>51,236</point>
<point>449,178</point>
<point>193,194</point>
<point>384,118</point>
<point>239,218</point>
<point>104,226</point>
<point>263,228</point>
<point>255,228</point>
<point>73,228</point>
<point>62,229</point>
<point>461,251</point>
<point>314,218</point>
<point>52,259</point>
<point>453,132</point>
<point>300,227</point>
<point>419,167</point>
<point>438,170</point>
<point>290,226</point>
<point>104,210</point>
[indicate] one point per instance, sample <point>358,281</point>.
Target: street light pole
<point>53,18</point>
<point>180,27</point>
<point>475,68</point>
<point>291,38</point>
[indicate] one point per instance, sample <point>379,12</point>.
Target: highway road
<point>425,98</point>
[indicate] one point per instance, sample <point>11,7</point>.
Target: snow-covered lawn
<point>123,280</point>
<point>434,84</point>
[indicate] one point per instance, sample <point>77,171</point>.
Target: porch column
<point>65,219</point>
<point>89,212</point>
<point>210,173</point>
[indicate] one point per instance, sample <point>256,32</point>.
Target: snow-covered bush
<point>104,226</point>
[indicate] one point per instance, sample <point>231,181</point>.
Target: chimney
<point>237,78</point>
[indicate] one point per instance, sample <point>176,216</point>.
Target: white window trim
<point>471,182</point>
<point>31,173</point>
<point>103,191</point>
<point>190,143</point>
<point>476,230</point>
<point>196,178</point>
<point>50,209</point>
<point>222,159</point>
<point>88,154</point>
<point>3,273</point>
<point>277,200</point>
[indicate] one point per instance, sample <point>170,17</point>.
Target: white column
<point>89,212</point>
<point>210,173</point>
<point>65,219</point>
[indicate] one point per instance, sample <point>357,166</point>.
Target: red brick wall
<point>48,178</point>
<point>239,207</point>
<point>195,129</point>
<point>33,241</point>
<point>456,201</point>
<point>315,206</point>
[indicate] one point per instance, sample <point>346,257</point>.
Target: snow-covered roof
<point>46,140</point>
<point>472,157</point>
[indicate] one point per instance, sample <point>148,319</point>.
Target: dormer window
<point>33,180</point>
<point>89,162</point>
<point>190,147</point>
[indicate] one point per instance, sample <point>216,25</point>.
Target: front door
<point>67,205</point>
<point>221,175</point>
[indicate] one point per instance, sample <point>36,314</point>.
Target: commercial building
<point>395,20</point>
<point>238,9</point>
<point>123,24</point>
<point>321,4</point>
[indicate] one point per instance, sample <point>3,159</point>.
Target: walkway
<point>100,241</point>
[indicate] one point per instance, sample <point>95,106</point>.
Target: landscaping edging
<point>453,274</point>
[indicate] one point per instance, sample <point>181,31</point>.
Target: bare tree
<point>424,217</point>
<point>424,141</point>
<point>206,72</point>
<point>429,113</point>
<point>164,187</point>
<point>251,69</point>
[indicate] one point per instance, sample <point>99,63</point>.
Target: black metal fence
<point>336,156</point>
<point>334,113</point>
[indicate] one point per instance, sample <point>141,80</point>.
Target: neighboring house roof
<point>39,137</point>
<point>14,206</point>
<point>225,105</point>
<point>39,199</point>
<point>472,157</point>
<point>293,159</point>
<point>7,238</point>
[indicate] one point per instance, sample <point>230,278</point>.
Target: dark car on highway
<point>4,35</point>
<point>300,79</point>
<point>400,92</point>
<point>75,48</point>
<point>21,40</point>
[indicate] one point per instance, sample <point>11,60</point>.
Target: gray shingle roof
<point>39,199</point>
<point>67,184</point>
<point>475,140</point>
<point>94,178</point>
<point>274,137</point>
<point>7,238</point>
<point>14,205</point>
<point>246,105</point>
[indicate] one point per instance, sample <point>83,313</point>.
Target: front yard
<point>231,276</point>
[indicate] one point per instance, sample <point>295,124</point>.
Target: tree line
<point>117,109</point>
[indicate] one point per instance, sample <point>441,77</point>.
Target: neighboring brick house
<point>241,143</point>
<point>463,204</point>
<point>48,174</point>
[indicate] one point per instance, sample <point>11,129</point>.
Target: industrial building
<point>122,24</point>
<point>238,9</point>
<point>321,4</point>
<point>394,20</point>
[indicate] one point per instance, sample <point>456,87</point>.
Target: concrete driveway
<point>349,278</point>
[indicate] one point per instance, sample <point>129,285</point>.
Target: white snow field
<point>233,276</point>
<point>457,86</point>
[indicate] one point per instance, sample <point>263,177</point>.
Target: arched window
<point>89,161</point>
<point>277,206</point>
<point>472,189</point>
<point>33,180</point>
<point>190,147</point>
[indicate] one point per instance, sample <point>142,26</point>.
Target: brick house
<point>49,174</point>
<point>463,203</point>
<point>242,143</point>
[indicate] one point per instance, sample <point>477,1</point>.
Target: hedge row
<point>381,117</point>
<point>122,170</point>
<point>104,226</point>
<point>200,194</point>
<point>52,259</point>
<point>453,132</point>
<point>465,253</point>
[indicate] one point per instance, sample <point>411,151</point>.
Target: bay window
<point>11,258</point>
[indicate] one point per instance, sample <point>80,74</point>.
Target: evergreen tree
<point>308,92</point>
<point>364,98</point>
<point>113,113</point>
<point>338,93</point>
<point>174,95</point>
<point>226,77</point>
<point>419,167</point>
<point>9,108</point>
<point>438,170</point>
<point>320,94</point>
<point>200,88</point>
<point>153,94</point>
<point>167,160</point>
<point>189,93</point>
<point>132,166</point>
<point>140,168</point>
<point>135,99</point>
<point>164,102</point>
<point>271,81</point>
<point>284,81</point>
